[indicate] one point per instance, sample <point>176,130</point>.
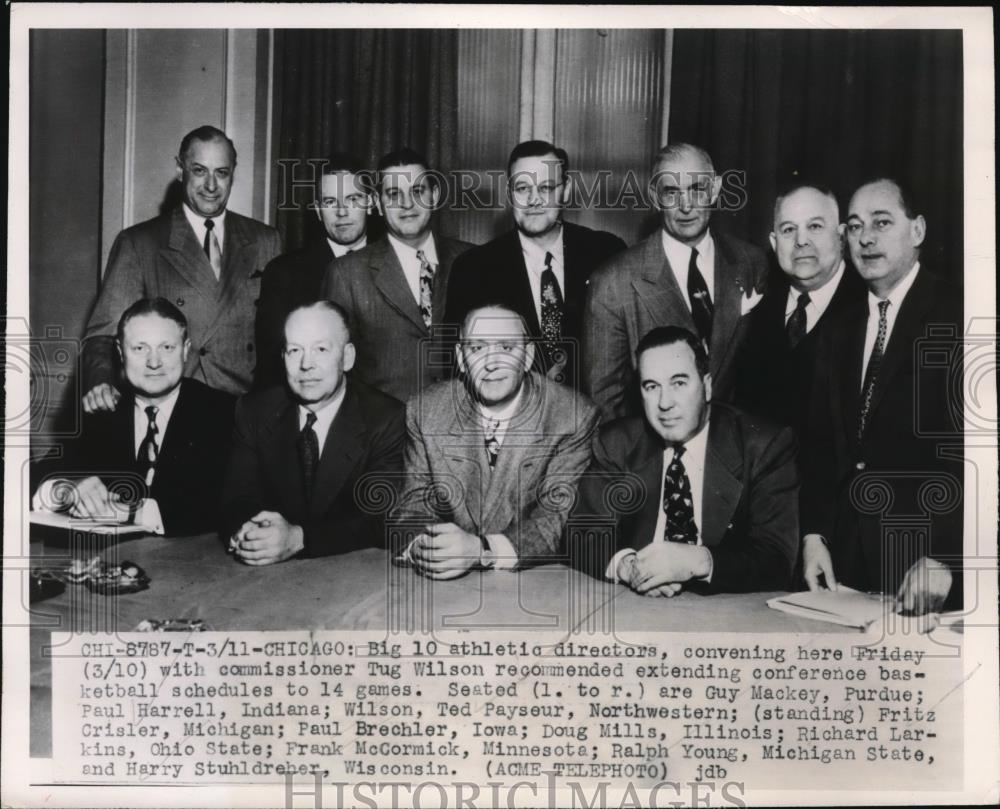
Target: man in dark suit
<point>167,439</point>
<point>345,200</point>
<point>539,269</point>
<point>776,366</point>
<point>395,290</point>
<point>205,260</point>
<point>882,493</point>
<point>692,495</point>
<point>491,457</point>
<point>305,455</point>
<point>684,275</point>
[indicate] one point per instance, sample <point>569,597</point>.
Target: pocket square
<point>747,304</point>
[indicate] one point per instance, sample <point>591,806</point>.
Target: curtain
<point>365,92</point>
<point>836,106</point>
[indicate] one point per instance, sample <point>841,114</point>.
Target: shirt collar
<point>679,254</point>
<point>402,249</point>
<point>534,255</point>
<point>341,250</point>
<point>898,293</point>
<point>821,297</point>
<point>163,408</point>
<point>697,444</point>
<point>502,414</point>
<point>325,413</point>
<point>197,222</point>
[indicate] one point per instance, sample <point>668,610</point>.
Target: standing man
<point>878,418</point>
<point>344,202</point>
<point>394,291</point>
<point>167,440</point>
<point>683,275</point>
<point>700,496</point>
<point>776,368</point>
<point>205,260</point>
<point>540,269</point>
<point>302,454</point>
<point>491,457</point>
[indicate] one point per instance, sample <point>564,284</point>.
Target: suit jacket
<point>749,510</point>
<point>526,497</point>
<point>290,280</point>
<point>361,455</point>
<point>897,496</point>
<point>190,464</point>
<point>394,351</point>
<point>774,379</point>
<point>496,273</point>
<point>162,257</point>
<point>636,291</point>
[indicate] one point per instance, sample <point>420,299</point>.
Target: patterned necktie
<point>211,247</point>
<point>426,288</point>
<point>309,452</point>
<point>701,302</point>
<point>552,306</point>
<point>871,373</point>
<point>492,445</point>
<point>148,450</point>
<point>677,502</point>
<point>795,328</point>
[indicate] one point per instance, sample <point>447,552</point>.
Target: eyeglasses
<point>523,191</point>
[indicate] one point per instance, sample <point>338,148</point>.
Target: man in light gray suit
<point>683,275</point>
<point>204,259</point>
<point>395,289</point>
<point>492,459</point>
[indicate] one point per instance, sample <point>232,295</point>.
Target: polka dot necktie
<point>426,288</point>
<point>552,307</point>
<point>677,502</point>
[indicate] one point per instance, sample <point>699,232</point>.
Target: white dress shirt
<point>534,261</point>
<point>819,299</point>
<point>340,250</point>
<point>502,547</point>
<point>164,410</point>
<point>895,299</point>
<point>410,263</point>
<point>198,226</point>
<point>679,256</point>
<point>324,416</point>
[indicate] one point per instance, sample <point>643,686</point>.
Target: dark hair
<point>797,184</point>
<point>152,306</point>
<point>205,133</point>
<point>326,305</point>
<point>537,148</point>
<point>344,163</point>
<point>403,157</point>
<point>492,305</point>
<point>668,336</point>
<point>907,200</point>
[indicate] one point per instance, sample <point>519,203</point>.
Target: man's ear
<point>918,229</point>
<point>774,241</point>
<point>529,356</point>
<point>716,187</point>
<point>349,356</point>
<point>707,382</point>
<point>567,190</point>
<point>179,169</point>
<point>121,353</point>
<point>185,349</point>
<point>435,196</point>
<point>459,358</point>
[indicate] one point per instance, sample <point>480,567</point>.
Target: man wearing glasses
<point>684,275</point>
<point>539,269</point>
<point>394,290</point>
<point>492,459</point>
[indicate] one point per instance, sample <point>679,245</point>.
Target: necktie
<point>871,373</point>
<point>309,452</point>
<point>795,328</point>
<point>211,247</point>
<point>492,445</point>
<point>552,305</point>
<point>701,301</point>
<point>148,450</point>
<point>677,501</point>
<point>426,288</point>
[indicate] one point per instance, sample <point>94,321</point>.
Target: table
<point>193,577</point>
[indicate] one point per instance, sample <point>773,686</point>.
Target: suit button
<point>249,346</point>
<point>860,466</point>
<point>180,301</point>
<point>203,351</point>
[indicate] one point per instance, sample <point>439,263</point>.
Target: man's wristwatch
<point>487,558</point>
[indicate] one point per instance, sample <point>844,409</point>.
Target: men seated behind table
<point>167,439</point>
<point>491,457</point>
<point>710,497</point>
<point>304,454</point>
<point>203,258</point>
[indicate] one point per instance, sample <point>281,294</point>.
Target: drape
<point>365,92</point>
<point>835,106</point>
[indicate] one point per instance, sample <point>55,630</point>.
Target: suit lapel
<point>523,300</point>
<point>387,275</point>
<point>185,255</point>
<point>647,464</point>
<point>178,435</point>
<point>657,288</point>
<point>234,261</point>
<point>122,436</point>
<point>852,343</point>
<point>574,277</point>
<point>342,451</point>
<point>465,453</point>
<point>727,301</point>
<point>721,488</point>
<point>281,445</point>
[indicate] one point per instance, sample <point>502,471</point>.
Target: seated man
<point>299,453</point>
<point>490,457</point>
<point>710,497</point>
<point>167,439</point>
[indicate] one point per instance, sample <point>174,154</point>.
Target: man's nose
<point>686,200</point>
<point>866,235</point>
<point>667,400</point>
<point>306,361</point>
<point>153,359</point>
<point>210,182</point>
<point>801,237</point>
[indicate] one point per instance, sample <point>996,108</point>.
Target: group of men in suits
<point>508,355</point>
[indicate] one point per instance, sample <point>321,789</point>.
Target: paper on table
<point>842,606</point>
<point>147,521</point>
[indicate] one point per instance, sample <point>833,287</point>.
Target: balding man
<point>206,260</point>
<point>685,274</point>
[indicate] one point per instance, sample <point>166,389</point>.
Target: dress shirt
<point>340,250</point>
<point>325,415</point>
<point>694,466</point>
<point>679,256</point>
<point>410,263</point>
<point>198,225</point>
<point>895,299</point>
<point>164,410</point>
<point>534,261</point>
<point>819,299</point>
